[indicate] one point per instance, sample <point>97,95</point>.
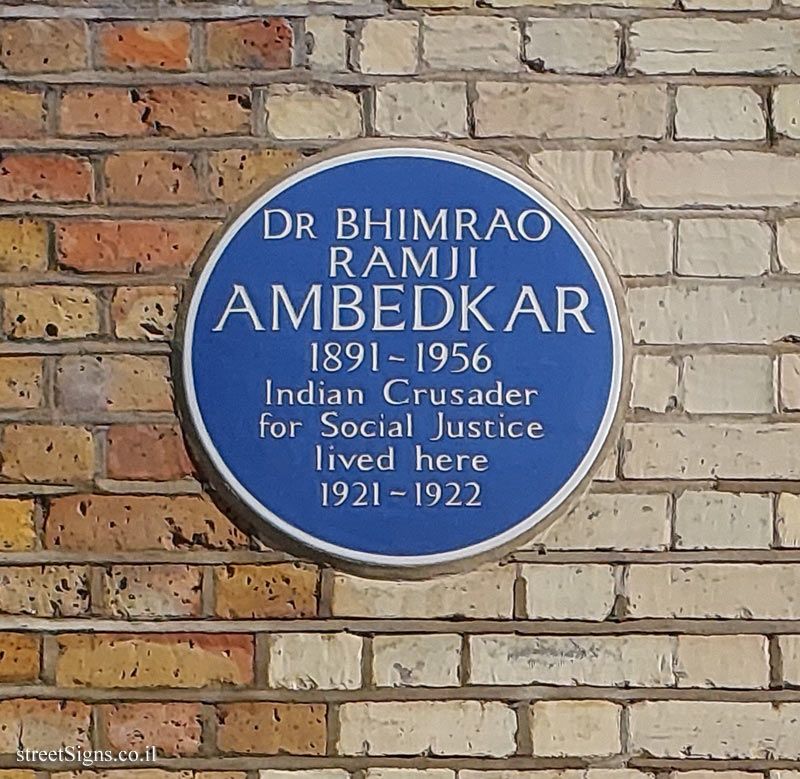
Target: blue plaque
<point>403,355</point>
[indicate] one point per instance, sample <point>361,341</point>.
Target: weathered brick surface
<point>154,45</point>
<point>570,111</point>
<point>564,728</point>
<point>569,591</point>
<point>147,452</point>
<point>43,724</point>
<point>238,173</point>
<point>256,43</point>
<point>430,109</point>
<point>135,522</point>
<point>173,728</point>
<point>416,660</point>
<point>165,660</point>
<point>22,113</point>
<point>46,590</point>
<point>19,657</point>
<point>49,178</point>
<point>485,593</point>
<point>153,591</point>
<point>23,245</point>
<point>151,177</point>
<point>420,727</point>
<point>43,45</point>
<point>47,453</point>
<point>271,728</point>
<point>315,661</point>
<point>144,313</point>
<point>572,45</point>
<point>301,112</point>
<point>50,312</point>
<point>17,529</point>
<point>722,661</point>
<point>106,382</point>
<point>728,591</point>
<point>283,590</point>
<point>606,661</point>
<point>21,380</point>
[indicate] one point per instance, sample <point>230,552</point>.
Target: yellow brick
<point>16,524</point>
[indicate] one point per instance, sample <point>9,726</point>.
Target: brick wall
<point>652,632</point>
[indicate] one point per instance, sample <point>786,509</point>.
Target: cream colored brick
<point>543,110</point>
<point>789,647</point>
<point>564,773</point>
<point>306,112</point>
<point>723,247</point>
<point>790,382</point>
<point>586,179</point>
<point>655,382</point>
<point>309,661</point>
<point>486,593</point>
<point>787,520</point>
<point>569,591</point>
<point>471,43</point>
<point>410,773</point>
<point>271,773</point>
<point>693,312</point>
<point>728,383</point>
<point>470,728</point>
<point>325,40</point>
<point>572,45</point>
<point>786,110</point>
<point>711,590</point>
<point>714,46</point>
<point>703,729</point>
<point>561,3</point>
<point>789,245</point>
<point>739,662</point>
<point>698,450</point>
<point>610,522</point>
<point>576,728</point>
<point>426,660</point>
<point>723,520</point>
<point>722,113</point>
<point>389,46</point>
<point>607,470</point>
<point>727,5</point>
<point>603,661</point>
<point>637,247</point>
<point>436,109</point>
<point>714,178</point>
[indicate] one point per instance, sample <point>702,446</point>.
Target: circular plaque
<point>403,355</point>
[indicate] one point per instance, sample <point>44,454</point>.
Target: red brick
<point>102,111</point>
<point>108,523</point>
<point>165,111</point>
<point>147,452</point>
<point>43,45</point>
<point>153,45</point>
<point>22,113</point>
<point>173,728</point>
<point>151,177</point>
<point>271,728</point>
<point>165,660</point>
<point>250,43</point>
<point>43,724</point>
<point>266,591</point>
<point>131,247</point>
<point>54,178</point>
